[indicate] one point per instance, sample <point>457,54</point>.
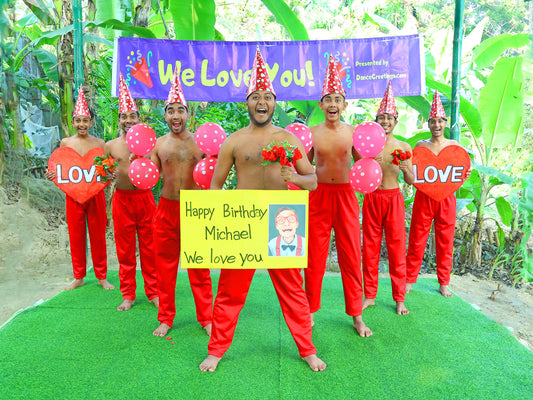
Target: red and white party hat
<point>125,101</point>
<point>388,105</point>
<point>437,111</point>
<point>175,95</point>
<point>259,79</point>
<point>81,109</point>
<point>333,83</point>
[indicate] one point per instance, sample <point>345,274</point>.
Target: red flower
<point>100,170</point>
<point>284,152</point>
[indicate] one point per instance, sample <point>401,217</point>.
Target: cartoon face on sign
<point>438,176</point>
<point>76,175</point>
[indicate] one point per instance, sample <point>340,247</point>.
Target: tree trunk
<point>65,58</point>
<point>474,257</point>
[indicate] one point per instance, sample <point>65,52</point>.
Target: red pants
<point>334,206</point>
<point>133,213</point>
<point>384,209</point>
<point>167,256</point>
<point>92,214</point>
<point>443,214</point>
<point>233,287</point>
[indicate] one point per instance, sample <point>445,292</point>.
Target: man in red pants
<point>92,213</point>
<point>243,149</point>
<point>384,209</point>
<point>334,205</point>
<point>133,211</point>
<point>176,154</point>
<point>426,210</point>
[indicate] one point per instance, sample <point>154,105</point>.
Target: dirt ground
<point>35,265</point>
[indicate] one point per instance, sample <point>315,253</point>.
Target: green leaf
<point>504,210</point>
<point>284,119</point>
<point>419,103</point>
<point>380,22</point>
<point>48,61</point>
<point>493,172</point>
<point>286,18</point>
<point>501,103</point>
<point>491,49</point>
<point>194,19</point>
<point>305,107</point>
<point>40,10</point>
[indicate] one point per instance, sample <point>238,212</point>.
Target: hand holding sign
<point>209,138</point>
<point>369,139</point>
<point>440,175</point>
<point>140,139</point>
<point>76,175</point>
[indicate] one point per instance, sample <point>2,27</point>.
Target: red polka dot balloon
<point>366,175</point>
<point>143,173</point>
<point>209,138</point>
<point>303,133</point>
<point>203,172</point>
<point>140,139</point>
<point>369,139</point>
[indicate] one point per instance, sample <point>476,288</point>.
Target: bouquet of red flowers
<point>104,164</point>
<point>284,152</point>
<point>399,155</point>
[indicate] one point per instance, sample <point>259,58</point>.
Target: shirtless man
<point>133,211</point>
<point>385,209</point>
<point>92,213</point>
<point>176,154</point>
<point>334,205</point>
<point>243,149</point>
<point>426,210</point>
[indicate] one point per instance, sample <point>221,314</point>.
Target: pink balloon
<point>209,138</point>
<point>143,173</point>
<point>203,172</point>
<point>366,175</point>
<point>141,139</point>
<point>303,133</point>
<point>369,139</point>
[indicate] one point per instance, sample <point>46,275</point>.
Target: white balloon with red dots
<point>140,139</point>
<point>366,175</point>
<point>209,138</point>
<point>369,139</point>
<point>143,173</point>
<point>303,133</point>
<point>203,172</point>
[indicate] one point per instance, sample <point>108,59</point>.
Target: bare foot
<point>155,301</point>
<point>368,302</point>
<point>360,327</point>
<point>315,363</point>
<point>208,329</point>
<point>312,319</point>
<point>126,305</point>
<point>209,364</point>
<point>77,283</point>
<point>161,330</point>
<point>105,284</point>
<point>401,309</point>
<point>408,287</point>
<point>443,289</point>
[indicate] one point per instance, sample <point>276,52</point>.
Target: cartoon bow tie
<point>288,246</point>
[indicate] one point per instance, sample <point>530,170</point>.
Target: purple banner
<point>220,71</point>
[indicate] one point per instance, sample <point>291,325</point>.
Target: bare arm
<point>225,161</point>
<point>305,177</point>
<point>407,166</point>
<point>154,156</point>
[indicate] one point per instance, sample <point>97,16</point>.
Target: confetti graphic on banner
<point>139,69</point>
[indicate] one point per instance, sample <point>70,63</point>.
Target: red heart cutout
<point>438,176</point>
<point>76,175</point>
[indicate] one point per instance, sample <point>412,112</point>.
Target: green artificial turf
<point>77,346</point>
